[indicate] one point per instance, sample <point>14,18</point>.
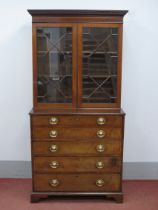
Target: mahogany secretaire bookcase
<point>77,125</point>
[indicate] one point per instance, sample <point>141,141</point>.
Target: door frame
<point>36,104</point>
<point>119,66</point>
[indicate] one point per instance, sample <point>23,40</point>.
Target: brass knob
<point>100,182</point>
<point>101,121</point>
<point>54,183</point>
<point>100,148</point>
<point>53,148</point>
<point>100,133</point>
<point>100,164</point>
<point>53,120</point>
<point>54,164</point>
<point>53,133</point>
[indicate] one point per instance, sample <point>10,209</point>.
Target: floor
<point>139,195</point>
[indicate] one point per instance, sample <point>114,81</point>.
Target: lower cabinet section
<point>74,159</point>
<point>77,183</point>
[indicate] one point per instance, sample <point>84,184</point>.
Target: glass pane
<point>100,55</point>
<point>54,65</point>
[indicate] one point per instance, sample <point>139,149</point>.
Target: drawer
<point>64,120</point>
<point>77,183</point>
<point>73,148</point>
<point>76,164</point>
<point>76,133</point>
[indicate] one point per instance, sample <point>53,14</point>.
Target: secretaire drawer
<point>41,133</point>
<point>77,183</point>
<point>73,148</point>
<point>76,164</point>
<point>66,120</point>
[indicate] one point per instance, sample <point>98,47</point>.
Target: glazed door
<point>99,65</point>
<point>54,65</point>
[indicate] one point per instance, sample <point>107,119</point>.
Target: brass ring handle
<point>100,165</point>
<point>100,133</point>
<point>53,120</point>
<point>101,121</point>
<point>54,164</point>
<point>100,148</point>
<point>100,182</point>
<point>54,183</point>
<point>53,148</point>
<point>53,134</point>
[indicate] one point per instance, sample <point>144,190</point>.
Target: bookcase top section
<point>45,12</point>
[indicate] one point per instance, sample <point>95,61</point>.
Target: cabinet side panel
<point>34,50</point>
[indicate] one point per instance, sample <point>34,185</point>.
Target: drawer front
<point>76,164</point>
<point>76,133</point>
<point>77,183</point>
<point>73,148</point>
<point>76,120</point>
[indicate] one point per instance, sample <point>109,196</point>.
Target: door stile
<point>74,66</point>
<point>79,65</point>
